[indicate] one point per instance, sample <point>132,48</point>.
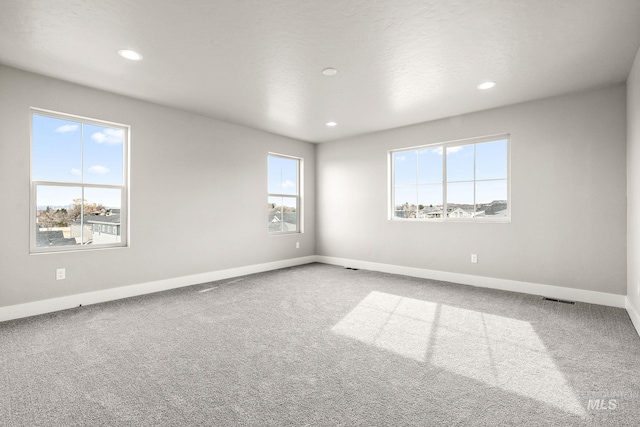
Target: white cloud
<point>450,150</point>
<point>75,171</point>
<point>67,128</point>
<point>101,170</point>
<point>109,136</point>
<point>288,184</point>
<point>401,158</point>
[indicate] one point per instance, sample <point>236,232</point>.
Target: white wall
<point>633,187</point>
<point>198,194</point>
<point>568,192</point>
<point>568,197</point>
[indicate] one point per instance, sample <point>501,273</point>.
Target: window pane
<point>430,165</point>
<point>491,160</point>
<point>283,180</point>
<point>274,210</point>
<point>103,152</point>
<point>491,198</point>
<point>290,176</point>
<point>282,214</point>
<point>430,201</point>
<point>66,149</point>
<point>101,213</point>
<point>57,207</point>
<point>290,214</point>
<point>275,175</point>
<point>460,163</point>
<point>460,200</point>
<point>405,201</point>
<point>404,167</point>
<point>56,149</point>
<point>283,175</point>
<point>476,180</point>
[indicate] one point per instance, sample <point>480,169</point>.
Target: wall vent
<point>558,300</point>
<point>351,268</point>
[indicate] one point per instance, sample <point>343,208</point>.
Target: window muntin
<point>466,180</point>
<point>78,176</point>
<point>283,197</point>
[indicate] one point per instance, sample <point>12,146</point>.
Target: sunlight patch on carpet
<point>498,351</point>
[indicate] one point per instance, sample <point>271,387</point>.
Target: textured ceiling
<point>259,63</point>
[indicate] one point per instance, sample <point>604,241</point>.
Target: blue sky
<point>73,152</point>
<point>424,167</point>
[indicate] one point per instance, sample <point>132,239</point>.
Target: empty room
<point>451,233</point>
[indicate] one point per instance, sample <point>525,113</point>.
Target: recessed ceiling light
<point>329,71</point>
<point>331,124</point>
<point>130,54</point>
<point>486,85</point>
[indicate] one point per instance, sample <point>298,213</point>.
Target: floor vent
<point>558,300</point>
<point>351,268</point>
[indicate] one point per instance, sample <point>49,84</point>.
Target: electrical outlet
<point>474,258</point>
<point>60,274</point>
<point>297,245</point>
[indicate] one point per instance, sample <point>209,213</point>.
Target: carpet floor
<point>320,345</point>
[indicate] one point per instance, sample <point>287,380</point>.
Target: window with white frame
<point>283,198</point>
<point>78,182</point>
<point>461,180</point>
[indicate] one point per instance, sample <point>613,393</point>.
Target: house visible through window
<point>459,180</point>
<point>283,198</point>
<point>78,182</point>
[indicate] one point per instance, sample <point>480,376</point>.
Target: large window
<point>283,198</point>
<point>78,182</point>
<point>463,180</point>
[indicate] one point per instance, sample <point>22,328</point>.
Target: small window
<point>78,175</point>
<point>463,181</point>
<point>283,194</point>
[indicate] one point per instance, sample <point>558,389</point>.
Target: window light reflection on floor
<point>498,351</point>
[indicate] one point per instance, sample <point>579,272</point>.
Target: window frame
<point>444,145</point>
<point>124,188</point>
<point>298,196</point>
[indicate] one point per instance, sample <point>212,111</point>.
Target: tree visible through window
<point>283,199</point>
<point>78,181</point>
<point>462,180</point>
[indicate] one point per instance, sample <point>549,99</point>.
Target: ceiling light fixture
<point>486,85</point>
<point>331,124</point>
<point>130,54</point>
<point>329,71</point>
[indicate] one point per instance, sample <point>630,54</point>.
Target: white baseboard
<point>633,314</point>
<point>71,301</point>
<point>557,292</point>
